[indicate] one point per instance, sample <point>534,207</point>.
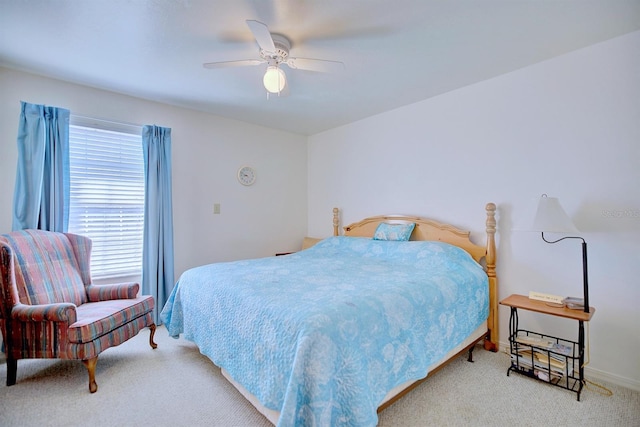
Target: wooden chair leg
<point>91,368</point>
<point>12,370</point>
<point>153,332</point>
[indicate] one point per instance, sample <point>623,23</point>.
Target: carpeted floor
<point>175,385</point>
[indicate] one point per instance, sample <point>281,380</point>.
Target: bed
<point>333,334</point>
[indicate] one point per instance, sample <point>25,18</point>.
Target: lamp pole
<point>585,274</point>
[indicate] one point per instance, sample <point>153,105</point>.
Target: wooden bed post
<point>492,341</point>
<point>336,222</point>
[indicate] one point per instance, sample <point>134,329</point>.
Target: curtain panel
<point>157,252</point>
<point>41,195</point>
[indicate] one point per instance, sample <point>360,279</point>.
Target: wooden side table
<point>544,357</point>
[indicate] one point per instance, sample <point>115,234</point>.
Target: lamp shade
<point>274,79</point>
<point>550,217</point>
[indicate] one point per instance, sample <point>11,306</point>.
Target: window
<point>107,194</point>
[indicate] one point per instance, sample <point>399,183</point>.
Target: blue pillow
<point>399,232</point>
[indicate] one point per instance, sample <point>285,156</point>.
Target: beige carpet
<point>175,385</point>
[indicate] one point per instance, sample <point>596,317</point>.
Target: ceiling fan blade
<point>263,36</point>
<point>320,65</point>
<point>227,64</point>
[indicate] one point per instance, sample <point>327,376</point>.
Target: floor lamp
<point>550,217</point>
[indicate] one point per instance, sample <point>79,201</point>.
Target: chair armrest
<point>58,312</point>
<point>97,293</point>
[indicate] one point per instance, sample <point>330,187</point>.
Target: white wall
<point>207,151</point>
<point>568,127</point>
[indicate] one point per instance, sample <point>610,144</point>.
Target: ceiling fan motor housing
<point>282,45</point>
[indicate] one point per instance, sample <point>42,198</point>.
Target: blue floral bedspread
<point>322,335</point>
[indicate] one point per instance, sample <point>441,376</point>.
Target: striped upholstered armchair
<point>50,309</point>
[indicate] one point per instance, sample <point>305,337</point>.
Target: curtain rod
<point>106,121</point>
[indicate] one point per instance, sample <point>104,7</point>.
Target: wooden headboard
<point>428,229</point>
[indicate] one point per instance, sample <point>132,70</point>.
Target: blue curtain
<point>41,197</point>
<point>157,252</point>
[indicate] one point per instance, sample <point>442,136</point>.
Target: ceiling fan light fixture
<point>274,79</point>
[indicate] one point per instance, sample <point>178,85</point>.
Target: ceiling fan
<point>274,51</point>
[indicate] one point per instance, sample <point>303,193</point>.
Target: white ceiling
<point>396,52</point>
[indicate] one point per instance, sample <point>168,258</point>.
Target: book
<point>574,303</point>
<point>539,370</point>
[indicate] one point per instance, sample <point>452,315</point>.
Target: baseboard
<point>597,375</point>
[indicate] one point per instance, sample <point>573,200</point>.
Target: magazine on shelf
<point>541,361</point>
<point>544,375</point>
<point>566,350</point>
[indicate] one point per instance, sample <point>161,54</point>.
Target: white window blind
<point>107,194</point>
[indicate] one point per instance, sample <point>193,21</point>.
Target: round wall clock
<point>246,175</point>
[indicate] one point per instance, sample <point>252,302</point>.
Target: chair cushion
<point>96,319</point>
